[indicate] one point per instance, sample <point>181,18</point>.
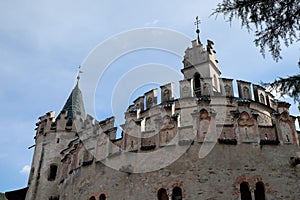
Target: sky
<point>42,43</point>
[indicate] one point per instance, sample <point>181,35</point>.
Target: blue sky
<point>43,42</point>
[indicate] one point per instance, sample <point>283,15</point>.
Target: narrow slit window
<point>52,172</point>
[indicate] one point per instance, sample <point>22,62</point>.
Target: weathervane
<point>79,72</point>
<point>197,22</point>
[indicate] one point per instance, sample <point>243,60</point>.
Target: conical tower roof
<point>75,104</point>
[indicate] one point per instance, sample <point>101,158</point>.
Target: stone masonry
<point>206,144</point>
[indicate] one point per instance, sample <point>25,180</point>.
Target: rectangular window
<point>52,173</point>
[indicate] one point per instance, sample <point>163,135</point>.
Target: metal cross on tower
<point>197,22</point>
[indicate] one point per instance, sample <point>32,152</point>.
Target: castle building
<point>206,144</point>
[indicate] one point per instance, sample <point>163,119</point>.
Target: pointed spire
<point>74,103</point>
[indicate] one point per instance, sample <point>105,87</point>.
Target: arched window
<point>92,198</point>
<point>245,191</point>
<point>259,191</point>
<point>162,194</point>
<point>177,193</point>
<point>102,197</point>
<point>52,172</point>
<point>197,84</point>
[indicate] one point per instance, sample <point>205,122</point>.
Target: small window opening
<point>102,197</point>
<point>52,173</point>
<point>245,191</point>
<point>287,138</point>
<point>162,194</point>
<point>259,191</point>
<point>197,81</point>
<point>177,193</point>
<point>92,198</point>
<point>57,140</point>
<point>54,198</point>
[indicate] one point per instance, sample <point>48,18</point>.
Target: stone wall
<point>217,176</point>
<point>251,142</point>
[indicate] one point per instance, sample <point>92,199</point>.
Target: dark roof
<point>17,194</point>
<point>75,104</point>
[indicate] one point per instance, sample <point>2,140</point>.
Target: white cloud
<point>25,169</point>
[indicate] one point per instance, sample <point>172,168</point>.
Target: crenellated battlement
<point>45,123</point>
<point>247,93</point>
<point>50,123</point>
<point>252,117</point>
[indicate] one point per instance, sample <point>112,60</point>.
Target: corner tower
<point>52,136</point>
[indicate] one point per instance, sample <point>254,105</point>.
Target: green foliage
<point>274,21</point>
<point>287,86</point>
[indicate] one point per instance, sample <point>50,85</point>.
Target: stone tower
<point>52,136</point>
<point>201,69</point>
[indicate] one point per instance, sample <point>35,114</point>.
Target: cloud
<point>25,169</point>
